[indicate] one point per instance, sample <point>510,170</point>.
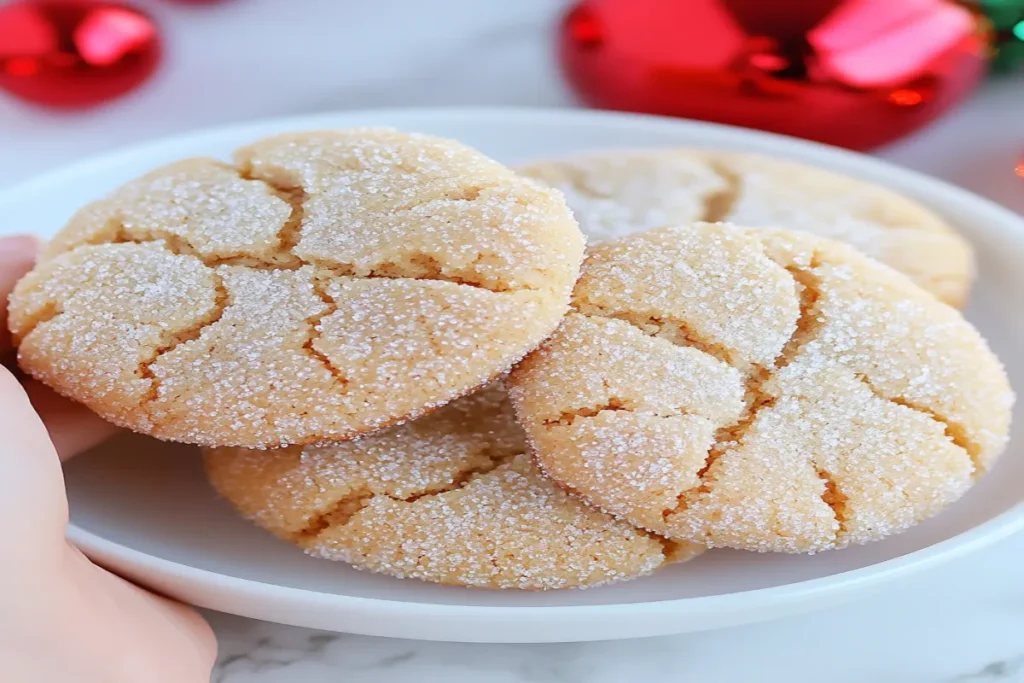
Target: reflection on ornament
<point>857,73</point>
<point>68,53</point>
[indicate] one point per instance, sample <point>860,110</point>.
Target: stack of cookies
<point>396,352</point>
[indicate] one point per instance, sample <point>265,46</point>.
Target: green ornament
<point>1007,17</point>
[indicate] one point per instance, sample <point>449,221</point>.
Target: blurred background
<point>910,80</point>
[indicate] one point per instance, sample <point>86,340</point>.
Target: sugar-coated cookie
<point>448,498</point>
<point>325,285</point>
<point>760,389</point>
<point>617,193</point>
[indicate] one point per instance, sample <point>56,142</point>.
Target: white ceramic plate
<point>143,508</point>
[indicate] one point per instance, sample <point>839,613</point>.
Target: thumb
<point>33,505</point>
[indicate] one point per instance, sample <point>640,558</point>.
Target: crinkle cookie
<point>617,193</point>
<point>448,498</point>
<point>325,285</point>
<point>760,389</point>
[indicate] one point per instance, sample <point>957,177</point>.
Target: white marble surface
<point>240,59</point>
<point>963,622</point>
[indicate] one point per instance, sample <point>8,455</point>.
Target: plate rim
<point>148,569</point>
<point>986,534</point>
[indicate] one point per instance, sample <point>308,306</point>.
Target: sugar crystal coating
<point>449,498</point>
<point>760,389</point>
<point>328,284</point>
<point>621,192</point>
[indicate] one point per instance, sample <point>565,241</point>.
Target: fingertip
<point>19,248</point>
<point>11,391</point>
<point>31,484</point>
<point>19,420</point>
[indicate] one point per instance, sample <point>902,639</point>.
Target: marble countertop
<point>238,59</point>
<point>962,622</point>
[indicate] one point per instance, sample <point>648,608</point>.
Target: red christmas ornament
<point>856,73</point>
<point>64,53</point>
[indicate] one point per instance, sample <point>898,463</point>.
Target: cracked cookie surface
<point>325,285</point>
<point>760,389</point>
<point>449,498</point>
<point>617,193</point>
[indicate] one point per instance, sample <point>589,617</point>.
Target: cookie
<point>448,498</point>
<point>760,389</point>
<point>325,285</point>
<point>622,192</point>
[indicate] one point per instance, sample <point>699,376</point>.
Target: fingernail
<point>18,245</point>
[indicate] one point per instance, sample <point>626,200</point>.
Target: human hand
<point>62,618</point>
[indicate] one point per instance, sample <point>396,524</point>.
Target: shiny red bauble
<point>856,73</point>
<point>64,53</point>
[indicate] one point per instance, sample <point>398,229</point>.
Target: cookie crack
<point>613,405</point>
<point>291,230</point>
<point>179,247</point>
<point>173,340</point>
<point>462,478</point>
<point>672,330</point>
<point>117,232</point>
<point>810,321</point>
<point>727,438</point>
<point>956,433</point>
<point>567,417</point>
<point>757,398</point>
<point>419,266</point>
<point>423,266</point>
<point>718,206</point>
<point>338,514</point>
<point>835,499</point>
<point>465,193</point>
<point>348,506</point>
<point>671,550</point>
<point>315,330</point>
